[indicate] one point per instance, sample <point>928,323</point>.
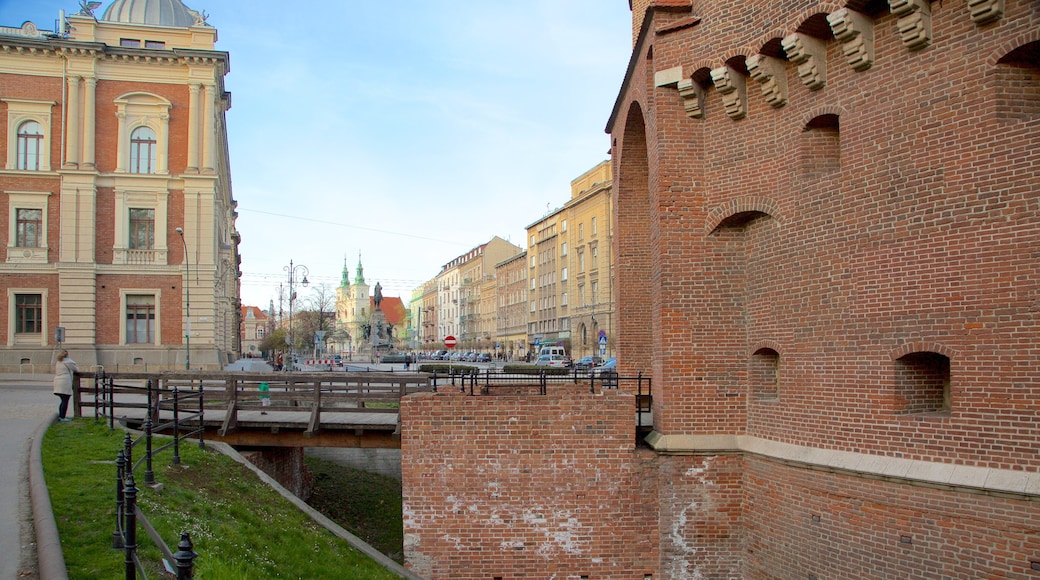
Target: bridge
<point>318,409</point>
<point>306,409</point>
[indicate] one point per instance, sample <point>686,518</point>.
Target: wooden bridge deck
<point>306,409</point>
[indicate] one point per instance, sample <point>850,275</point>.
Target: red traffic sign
<point>450,342</point>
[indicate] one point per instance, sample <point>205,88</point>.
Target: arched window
<point>30,146</point>
<point>142,150</point>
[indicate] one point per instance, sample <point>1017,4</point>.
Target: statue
<point>379,295</point>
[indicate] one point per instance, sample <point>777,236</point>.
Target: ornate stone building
<point>116,191</point>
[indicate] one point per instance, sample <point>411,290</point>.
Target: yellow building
<point>570,278</point>
<point>120,242</point>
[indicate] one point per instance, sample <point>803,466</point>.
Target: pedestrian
<point>265,396</point>
<point>64,367</point>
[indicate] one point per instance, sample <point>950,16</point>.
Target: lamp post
<point>292,270</point>
<point>187,302</point>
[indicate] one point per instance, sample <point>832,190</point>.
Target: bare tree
<point>319,313</point>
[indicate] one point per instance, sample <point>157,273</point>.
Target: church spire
<point>360,278</point>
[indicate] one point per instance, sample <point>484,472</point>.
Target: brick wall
<point>286,465</point>
<point>878,234</point>
<point>526,487</point>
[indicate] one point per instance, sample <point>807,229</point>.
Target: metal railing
<point>128,515</point>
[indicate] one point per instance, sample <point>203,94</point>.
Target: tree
<point>274,341</point>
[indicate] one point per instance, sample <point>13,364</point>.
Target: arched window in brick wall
<point>922,383</point>
<point>1017,83</point>
<point>819,146</point>
<point>764,374</point>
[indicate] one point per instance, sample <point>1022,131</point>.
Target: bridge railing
<point>231,392</point>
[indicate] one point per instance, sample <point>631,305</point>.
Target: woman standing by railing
<point>64,368</point>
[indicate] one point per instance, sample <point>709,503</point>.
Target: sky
<point>407,132</point>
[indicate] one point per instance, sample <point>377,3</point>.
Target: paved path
<point>25,404</point>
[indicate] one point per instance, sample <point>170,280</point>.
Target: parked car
<point>552,360</point>
<point>607,368</point>
<point>588,362</point>
<point>483,357</point>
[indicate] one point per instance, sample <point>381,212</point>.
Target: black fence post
<point>99,384</point>
<point>111,397</point>
<point>202,426</point>
<point>176,430</point>
<point>185,557</point>
<point>130,527</point>
<point>128,450</point>
<point>149,475</point>
<point>434,379</point>
<point>117,535</point>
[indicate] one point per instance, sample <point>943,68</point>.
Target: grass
<point>368,505</point>
<point>239,526</point>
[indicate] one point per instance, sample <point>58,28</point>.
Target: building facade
<point>570,278</point>
<point>255,324</point>
<point>511,303</point>
<point>811,198</point>
<point>118,216</point>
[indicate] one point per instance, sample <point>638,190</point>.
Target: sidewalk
<point>27,408</point>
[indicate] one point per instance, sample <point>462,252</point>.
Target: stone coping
<point>1024,484</point>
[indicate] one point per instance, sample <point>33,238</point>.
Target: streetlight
<point>187,302</point>
<point>292,270</point>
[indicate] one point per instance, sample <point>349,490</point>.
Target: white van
<point>553,350</point>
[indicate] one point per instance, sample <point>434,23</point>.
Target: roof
<point>392,307</point>
<point>152,12</point>
<point>257,313</point>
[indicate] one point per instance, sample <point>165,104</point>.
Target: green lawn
<point>240,527</point>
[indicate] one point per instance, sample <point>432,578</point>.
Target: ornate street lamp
<point>294,273</point>
<point>187,302</point>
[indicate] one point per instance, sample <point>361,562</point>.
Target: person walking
<point>64,367</point>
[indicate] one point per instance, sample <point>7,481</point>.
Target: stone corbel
<point>915,22</point>
<point>733,88</point>
<point>810,54</point>
<point>985,11</point>
<point>769,72</point>
<point>855,31</point>
<point>693,98</point>
<point>691,93</point>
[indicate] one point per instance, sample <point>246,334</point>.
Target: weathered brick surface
<point>526,487</point>
<point>893,211</point>
<point>286,465</point>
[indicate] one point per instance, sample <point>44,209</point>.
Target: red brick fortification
<point>526,486</point>
<point>827,227</point>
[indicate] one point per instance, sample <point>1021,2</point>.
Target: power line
<point>350,226</point>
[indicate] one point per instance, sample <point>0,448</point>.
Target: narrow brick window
<point>820,152</point>
<point>820,147</point>
<point>764,373</point>
<point>922,383</point>
<point>1017,80</point>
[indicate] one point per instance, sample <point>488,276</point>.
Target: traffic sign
<point>603,341</point>
<point>450,342</point>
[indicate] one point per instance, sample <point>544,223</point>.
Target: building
<point>459,286</point>
<point>826,229</point>
<point>511,292</point>
<point>354,309</point>
<point>255,323</point>
<point>571,282</point>
<point>825,232</point>
<point>118,215</point>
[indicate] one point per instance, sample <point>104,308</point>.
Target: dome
<point>153,12</point>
